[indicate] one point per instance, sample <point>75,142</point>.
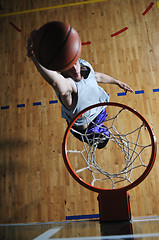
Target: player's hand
<point>125,86</point>
<point>30,52</point>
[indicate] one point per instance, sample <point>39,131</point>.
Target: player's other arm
<point>104,78</point>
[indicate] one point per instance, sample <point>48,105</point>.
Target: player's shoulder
<point>72,84</point>
<point>84,63</point>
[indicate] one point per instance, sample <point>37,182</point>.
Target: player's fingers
<point>129,88</point>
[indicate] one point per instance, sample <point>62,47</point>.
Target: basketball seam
<point>73,58</point>
<point>61,46</point>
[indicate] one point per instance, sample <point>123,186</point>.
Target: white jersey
<point>89,93</point>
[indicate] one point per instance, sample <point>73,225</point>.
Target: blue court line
<point>20,105</point>
<point>77,217</point>
<point>56,101</point>
<point>121,94</point>
<point>4,107</point>
<point>156,90</point>
<point>53,101</point>
<point>139,92</point>
<point>36,103</point>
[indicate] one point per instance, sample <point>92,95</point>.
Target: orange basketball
<point>57,46</point>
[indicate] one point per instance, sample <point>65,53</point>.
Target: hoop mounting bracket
<point>114,206</point>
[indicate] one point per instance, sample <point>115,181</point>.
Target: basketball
<point>57,46</point>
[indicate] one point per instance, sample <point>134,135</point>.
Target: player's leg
<point>96,133</point>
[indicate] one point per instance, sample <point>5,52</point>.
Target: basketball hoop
<point>121,165</point>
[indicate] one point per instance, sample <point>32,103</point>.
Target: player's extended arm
<point>104,78</point>
<point>57,81</point>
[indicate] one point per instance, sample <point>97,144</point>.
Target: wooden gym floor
<point>120,38</point>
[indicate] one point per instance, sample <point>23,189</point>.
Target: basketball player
<point>76,89</point>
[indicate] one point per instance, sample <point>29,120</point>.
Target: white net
<point>121,161</point>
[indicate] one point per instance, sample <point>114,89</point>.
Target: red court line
<point>148,8</point>
<point>13,25</point>
<point>117,33</point>
<point>86,43</point>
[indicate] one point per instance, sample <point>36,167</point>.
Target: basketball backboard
<point>137,228</point>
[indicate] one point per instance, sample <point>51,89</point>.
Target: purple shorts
<point>92,133</point>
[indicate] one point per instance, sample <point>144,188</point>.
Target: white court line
<point>145,219</point>
<point>46,235</point>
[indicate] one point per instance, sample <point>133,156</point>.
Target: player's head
<point>74,72</point>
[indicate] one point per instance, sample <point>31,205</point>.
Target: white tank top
<point>89,93</point>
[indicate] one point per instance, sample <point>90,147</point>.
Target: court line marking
<point>53,101</point>
<point>31,224</point>
<point>148,219</point>
<point>78,217</point>
<point>36,103</point>
<point>148,8</point>
<point>23,105</point>
<point>119,32</point>
<point>121,94</point>
<point>139,92</point>
<point>14,26</point>
<point>4,107</point>
<point>155,90</point>
<point>53,7</point>
<point>86,43</point>
<point>20,105</point>
<point>46,235</point>
<point>93,216</point>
